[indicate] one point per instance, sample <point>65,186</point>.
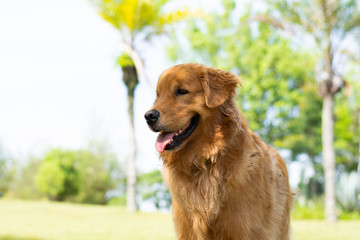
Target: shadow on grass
<point>19,238</point>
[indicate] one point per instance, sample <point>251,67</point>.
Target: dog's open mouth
<point>171,140</point>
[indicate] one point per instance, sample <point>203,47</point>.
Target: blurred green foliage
<point>99,172</point>
<point>24,185</point>
<point>7,172</point>
<point>84,176</point>
<point>347,125</point>
<point>152,187</point>
<point>57,176</point>
<point>330,32</point>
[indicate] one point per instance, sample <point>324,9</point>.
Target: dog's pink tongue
<point>162,140</point>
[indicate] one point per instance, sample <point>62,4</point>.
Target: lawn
<point>27,220</point>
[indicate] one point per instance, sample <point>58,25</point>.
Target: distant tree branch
<point>268,20</point>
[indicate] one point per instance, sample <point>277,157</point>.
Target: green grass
<point>320,230</point>
<point>27,220</point>
<point>311,209</point>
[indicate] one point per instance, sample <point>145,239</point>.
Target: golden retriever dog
<point>225,183</point>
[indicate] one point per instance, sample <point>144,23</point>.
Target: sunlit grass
<point>27,220</point>
<point>320,230</point>
<point>61,221</point>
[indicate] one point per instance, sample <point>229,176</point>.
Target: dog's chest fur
<point>200,195</point>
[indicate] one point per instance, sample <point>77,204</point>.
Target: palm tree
<point>332,26</point>
<point>131,80</point>
<point>137,21</point>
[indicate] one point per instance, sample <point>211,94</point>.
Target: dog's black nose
<point>152,116</point>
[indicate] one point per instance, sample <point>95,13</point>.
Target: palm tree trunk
<point>130,78</point>
<point>131,170</point>
<point>329,156</point>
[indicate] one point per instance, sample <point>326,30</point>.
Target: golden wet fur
<point>226,184</point>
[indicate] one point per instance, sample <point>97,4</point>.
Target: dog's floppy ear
<point>218,85</point>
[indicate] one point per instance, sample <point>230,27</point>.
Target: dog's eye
<point>180,91</point>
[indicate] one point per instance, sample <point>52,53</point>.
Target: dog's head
<point>187,94</point>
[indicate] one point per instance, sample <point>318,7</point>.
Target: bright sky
<point>58,83</point>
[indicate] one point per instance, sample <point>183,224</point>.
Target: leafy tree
<point>99,173</point>
<point>57,176</point>
<point>84,175</point>
<point>138,21</point>
<point>331,25</point>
